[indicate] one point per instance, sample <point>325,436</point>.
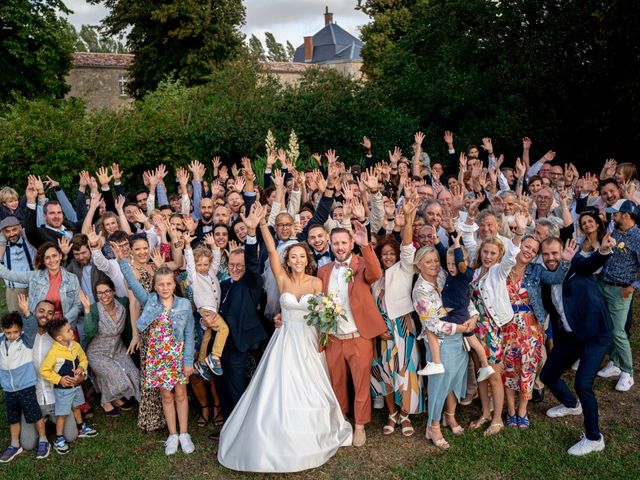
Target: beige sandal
<point>476,424</point>
<point>457,430</point>
<point>407,431</point>
<point>493,429</point>
<point>440,442</point>
<point>389,428</point>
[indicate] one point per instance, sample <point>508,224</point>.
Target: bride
<point>288,418</point>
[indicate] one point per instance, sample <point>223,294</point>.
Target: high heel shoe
<point>457,430</point>
<point>439,442</point>
<point>407,430</point>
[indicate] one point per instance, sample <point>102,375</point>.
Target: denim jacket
<point>181,312</point>
<point>534,276</point>
<point>38,281</point>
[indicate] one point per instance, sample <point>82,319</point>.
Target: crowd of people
<point>457,281</point>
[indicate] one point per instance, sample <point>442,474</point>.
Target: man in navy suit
<point>583,333</point>
<point>240,295</point>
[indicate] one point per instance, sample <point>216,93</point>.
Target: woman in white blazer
<point>396,356</point>
<point>492,266</point>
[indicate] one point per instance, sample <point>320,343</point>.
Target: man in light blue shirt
<point>18,256</point>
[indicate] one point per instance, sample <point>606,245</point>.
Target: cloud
<point>288,20</point>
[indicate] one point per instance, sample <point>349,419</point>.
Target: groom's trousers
<point>355,355</point>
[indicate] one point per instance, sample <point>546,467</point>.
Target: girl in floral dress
<point>169,324</point>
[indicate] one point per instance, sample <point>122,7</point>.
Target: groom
<point>351,348</point>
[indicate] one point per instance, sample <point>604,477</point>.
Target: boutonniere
<point>621,247</point>
<point>349,275</point>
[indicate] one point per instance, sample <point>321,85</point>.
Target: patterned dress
<point>150,413</point>
<point>396,361</point>
<point>488,332</point>
<point>522,339</point>
<point>165,367</point>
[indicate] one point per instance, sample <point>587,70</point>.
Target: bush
<point>229,116</point>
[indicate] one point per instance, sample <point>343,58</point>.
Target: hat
<point>624,206</point>
<point>9,222</point>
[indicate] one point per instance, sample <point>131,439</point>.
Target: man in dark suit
<point>55,226</point>
<point>240,295</point>
<point>583,332</point>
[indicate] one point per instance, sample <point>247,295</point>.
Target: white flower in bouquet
<point>324,312</point>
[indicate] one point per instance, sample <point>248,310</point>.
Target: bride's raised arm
<point>270,244</point>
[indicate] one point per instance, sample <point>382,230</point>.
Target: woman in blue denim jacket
<point>50,281</point>
<point>523,337</point>
<point>170,324</point>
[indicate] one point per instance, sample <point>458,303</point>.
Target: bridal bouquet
<point>324,312</point>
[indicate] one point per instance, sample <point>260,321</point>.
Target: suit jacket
<point>75,268</point>
<point>583,303</point>
<point>366,270</point>
<point>39,235</point>
<point>239,302</point>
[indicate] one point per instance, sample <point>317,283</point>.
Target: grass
<point>121,451</point>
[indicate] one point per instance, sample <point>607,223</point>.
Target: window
<point>122,85</point>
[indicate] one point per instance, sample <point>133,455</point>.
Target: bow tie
<point>342,264</point>
<point>15,244</point>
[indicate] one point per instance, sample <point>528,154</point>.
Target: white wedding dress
<point>288,419</point>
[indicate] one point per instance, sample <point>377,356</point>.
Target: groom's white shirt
<point>338,283</point>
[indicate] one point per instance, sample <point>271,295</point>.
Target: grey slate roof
<point>332,44</point>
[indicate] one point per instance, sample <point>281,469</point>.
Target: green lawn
<point>121,451</point>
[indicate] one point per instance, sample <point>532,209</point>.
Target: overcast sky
<point>286,19</point>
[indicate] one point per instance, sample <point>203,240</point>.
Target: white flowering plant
<point>324,312</point>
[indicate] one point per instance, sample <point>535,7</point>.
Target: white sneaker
<point>186,444</point>
<point>562,411</point>
<point>586,446</point>
<point>378,402</point>
<point>575,366</point>
<point>625,382</point>
<point>431,369</point>
<point>171,445</point>
<point>485,372</point>
<point>609,371</point>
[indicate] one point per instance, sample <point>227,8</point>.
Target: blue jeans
<point>566,350</point>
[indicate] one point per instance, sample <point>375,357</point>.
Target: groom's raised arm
<point>372,268</point>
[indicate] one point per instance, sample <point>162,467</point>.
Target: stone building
<point>100,79</point>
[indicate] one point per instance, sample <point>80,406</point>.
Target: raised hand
<point>571,247</point>
<point>609,169</point>
<point>526,143</point>
<point>84,300</point>
<point>190,224</point>
<point>103,176</point>
<point>318,158</point>
<point>548,157</point>
<point>216,162</point>
<point>161,172</point>
<point>366,143</point>
<point>521,220</point>
<point>278,179</point>
<point>183,178</point>
<point>357,209</point>
<point>347,193</point>
<point>520,169</point>
<point>52,183</point>
<point>116,173</point>
<point>608,243</point>
<point>418,138</point>
<point>499,161</point>
<point>360,235</point>
<point>473,208</point>
<point>209,240</point>
<point>255,215</point>
<point>139,216</point>
<point>448,138</point>
<point>238,186</point>
<point>331,156</point>
<point>188,238</point>
<point>96,240</point>
<point>247,169</point>
<point>83,181</point>
<point>487,145</point>
<point>462,161</point>
<point>23,304</point>
<point>395,156</point>
<point>117,251</point>
<point>119,202</point>
<point>157,258</point>
<point>224,173</point>
<point>233,245</point>
<point>65,245</point>
<point>370,180</point>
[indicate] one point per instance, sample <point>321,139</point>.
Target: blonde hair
<point>202,251</point>
<point>420,254</point>
<point>7,194</point>
<point>462,267</point>
<point>628,171</point>
<point>489,241</point>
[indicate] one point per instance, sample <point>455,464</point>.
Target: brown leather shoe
<point>359,437</point>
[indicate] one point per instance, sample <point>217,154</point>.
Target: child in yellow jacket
<point>65,367</point>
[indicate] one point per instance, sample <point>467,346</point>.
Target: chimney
<point>328,17</point>
<point>308,49</point>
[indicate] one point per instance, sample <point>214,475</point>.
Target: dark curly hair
<point>311,263</point>
<point>38,262</point>
<point>383,242</point>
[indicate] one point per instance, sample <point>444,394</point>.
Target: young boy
<point>18,380</point>
<point>65,367</point>
<point>455,300</point>
<point>202,267</point>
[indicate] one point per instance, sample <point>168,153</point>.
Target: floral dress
<point>395,362</point>
<point>488,332</point>
<point>164,359</point>
<point>522,337</point>
<point>150,413</point>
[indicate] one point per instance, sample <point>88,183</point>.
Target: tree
<point>91,39</point>
<point>291,51</point>
<point>564,73</point>
<point>256,50</point>
<point>188,39</point>
<point>35,49</point>
<point>275,51</point>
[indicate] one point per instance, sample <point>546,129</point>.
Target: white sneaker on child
<point>171,445</point>
<point>431,369</point>
<point>485,372</point>
<point>586,446</point>
<point>186,444</point>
